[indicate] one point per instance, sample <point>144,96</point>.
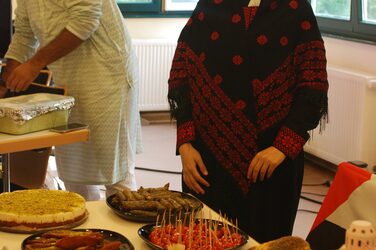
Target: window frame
<point>353,29</point>
<point>140,8</point>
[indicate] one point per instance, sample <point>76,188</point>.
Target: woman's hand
<point>264,163</point>
<point>191,159</point>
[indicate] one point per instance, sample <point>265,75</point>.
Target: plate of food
<point>195,235</point>
<point>146,204</point>
<point>77,239</point>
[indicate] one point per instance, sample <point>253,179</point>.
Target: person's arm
<point>21,77</point>
<point>310,104</point>
<point>24,43</point>
<point>181,110</point>
<point>179,98</point>
<point>84,20</point>
<point>310,101</point>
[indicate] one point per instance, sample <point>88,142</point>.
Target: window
<point>336,9</point>
<point>178,5</point>
<point>150,8</point>
<point>347,18</point>
<point>354,19</point>
<point>369,13</point>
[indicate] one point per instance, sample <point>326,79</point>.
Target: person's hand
<point>19,78</point>
<point>264,163</point>
<point>8,68</point>
<point>191,159</point>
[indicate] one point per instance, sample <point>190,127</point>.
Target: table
<point>41,139</point>
<point>102,217</point>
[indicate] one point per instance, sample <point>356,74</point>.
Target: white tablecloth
<point>102,217</point>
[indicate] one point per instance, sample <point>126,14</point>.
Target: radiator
<point>351,131</point>
<point>155,58</point>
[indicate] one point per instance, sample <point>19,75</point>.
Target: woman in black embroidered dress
<point>247,83</point>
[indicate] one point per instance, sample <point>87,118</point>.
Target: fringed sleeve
<point>310,104</point>
<point>179,98</point>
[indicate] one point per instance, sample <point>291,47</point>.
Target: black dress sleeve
<point>310,104</point>
<point>179,98</point>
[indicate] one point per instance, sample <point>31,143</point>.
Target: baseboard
<point>321,162</point>
<point>156,117</point>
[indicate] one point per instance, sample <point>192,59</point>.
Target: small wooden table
<point>41,139</point>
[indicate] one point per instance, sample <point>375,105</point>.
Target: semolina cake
<point>41,208</point>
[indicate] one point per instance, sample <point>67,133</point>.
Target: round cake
<point>41,208</point>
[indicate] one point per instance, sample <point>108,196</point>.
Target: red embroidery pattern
<point>237,60</point>
<point>294,4</point>
<point>273,5</point>
<point>218,1</point>
<point>229,134</point>
<point>178,74</point>
<point>305,25</point>
<point>289,142</point>
<point>240,104</point>
<point>262,39</point>
<point>310,59</point>
<point>185,133</point>
<point>274,94</point>
<point>218,79</point>
<point>249,14</point>
<point>214,36</point>
<point>202,57</point>
<point>236,18</point>
<point>284,41</point>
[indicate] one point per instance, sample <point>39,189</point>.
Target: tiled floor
<point>159,165</point>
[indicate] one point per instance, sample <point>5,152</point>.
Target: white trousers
<point>92,192</point>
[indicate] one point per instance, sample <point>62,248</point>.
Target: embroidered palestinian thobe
<point>244,79</point>
<point>100,74</point>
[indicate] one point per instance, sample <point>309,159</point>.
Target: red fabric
<point>289,142</point>
<point>347,179</point>
<point>185,133</point>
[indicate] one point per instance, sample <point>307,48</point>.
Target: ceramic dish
<point>140,218</point>
<point>145,231</point>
